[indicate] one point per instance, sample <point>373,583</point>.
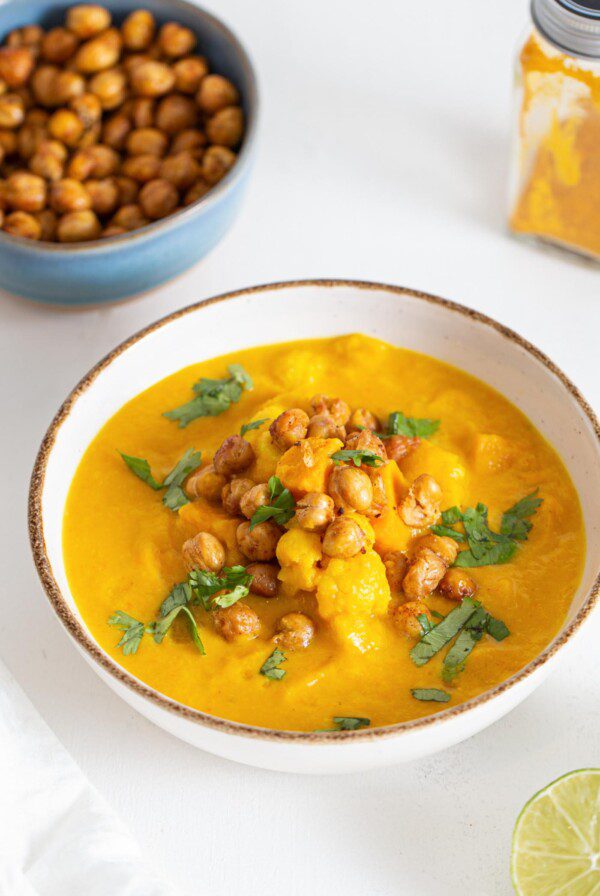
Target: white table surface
<point>383,155</point>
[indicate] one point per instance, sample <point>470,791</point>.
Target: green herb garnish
<point>133,631</point>
<point>473,631</point>
<point>487,548</point>
<point>366,457</point>
<point>497,629</point>
<point>425,623</point>
<point>401,425</point>
<point>174,496</point>
<point>256,424</point>
<point>349,723</point>
<point>441,634</point>
<point>434,695</point>
<point>269,667</point>
<point>160,628</point>
<point>233,581</point>
<point>212,397</point>
<point>515,521</point>
<point>281,506</point>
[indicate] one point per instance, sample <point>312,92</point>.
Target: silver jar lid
<point>571,25</point>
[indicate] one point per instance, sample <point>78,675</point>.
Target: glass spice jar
<point>555,190</point>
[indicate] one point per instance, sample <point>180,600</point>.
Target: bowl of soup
<point>321,526</point>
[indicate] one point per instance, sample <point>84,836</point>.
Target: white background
<point>383,155</point>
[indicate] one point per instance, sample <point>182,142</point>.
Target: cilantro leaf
<point>281,508</point>
<point>358,457</point>
<point>401,425</point>
<point>179,596</point>
<point>448,532</point>
<point>141,468</point>
<point>174,496</point>
<point>234,581</point>
<point>497,629</point>
<point>350,723</point>
<point>515,522</point>
<point>269,667</point>
<point>256,424</point>
<point>473,631</point>
<point>160,628</point>
<point>434,695</point>
<point>441,634</point>
<point>451,516</point>
<point>425,623</point>
<point>133,631</point>
<point>212,397</point>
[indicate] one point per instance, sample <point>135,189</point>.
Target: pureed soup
<point>324,534</point>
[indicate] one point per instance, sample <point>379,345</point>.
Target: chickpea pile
<point>104,129</point>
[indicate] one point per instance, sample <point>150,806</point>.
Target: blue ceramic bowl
<point>120,266</point>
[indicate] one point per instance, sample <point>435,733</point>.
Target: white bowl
<point>307,309</point>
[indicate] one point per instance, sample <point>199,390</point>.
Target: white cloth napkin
<point>58,837</point>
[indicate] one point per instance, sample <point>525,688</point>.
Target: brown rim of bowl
<point>244,156</point>
<point>77,631</point>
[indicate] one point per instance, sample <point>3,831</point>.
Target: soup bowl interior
<point>277,313</point>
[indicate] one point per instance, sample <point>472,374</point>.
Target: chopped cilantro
<point>256,424</point>
<point>212,397</point>
<point>425,623</point>
<point>442,633</point>
<point>434,695</point>
<point>281,506</point>
<point>497,629</point>
<point>269,667</point>
<point>349,723</point>
<point>401,425</point>
<point>160,628</point>
<point>514,520</point>
<point>473,631</point>
<point>133,631</point>
<point>233,581</point>
<point>358,457</point>
<point>174,496</point>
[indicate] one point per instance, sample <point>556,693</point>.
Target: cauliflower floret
<point>357,587</point>
<point>299,553</point>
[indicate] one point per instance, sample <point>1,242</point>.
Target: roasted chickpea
<point>138,30</point>
<point>232,494</point>
<point>421,506</point>
<point>205,483</point>
<point>226,127</point>
<point>25,192</point>
<point>99,53</point>
<point>380,499</point>
<point>234,456</point>
<point>29,138</point>
<point>399,447</point>
<point>203,551</point>
<point>238,622</point>
<point>457,585</point>
<point>174,40</point>
<point>362,419</point>
<point>315,511</point>
<point>176,113</point>
<point>158,198</point>
<point>16,65</point>
<point>48,221</point>
<point>424,574</point>
<point>189,72</point>
<point>66,87</point>
<point>130,217</point>
<point>444,547</point>
<point>115,131</point>
<point>22,224</point>
<point>190,140</point>
<point>69,195</point>
<point>142,112</point>
<point>91,136</point>
<point>12,111</point>
<point>64,125</point>
<point>58,45</point>
<point>8,141</point>
<point>142,141</point>
<point>181,170</point>
<point>215,93</point>
<point>152,79</point>
<point>48,161</point>
<point>141,168</point>
<point>264,579</point>
<point>289,428</point>
<point>257,496</point>
<point>112,230</point>
<point>216,162</point>
<point>87,108</point>
<point>295,631</point>
<point>27,36</point>
<point>396,566</point>
<point>343,538</point>
<point>78,227</point>
<point>322,426</point>
<point>196,192</point>
<point>365,440</point>
<point>43,84</point>
<point>261,542</point>
<point>110,87</point>
<point>128,190</point>
<point>26,96</point>
<point>350,487</point>
<point>104,194</point>
<point>406,617</point>
<point>87,19</point>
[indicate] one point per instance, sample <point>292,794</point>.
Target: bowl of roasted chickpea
<point>126,140</point>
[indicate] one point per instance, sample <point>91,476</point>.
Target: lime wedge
<point>556,842</point>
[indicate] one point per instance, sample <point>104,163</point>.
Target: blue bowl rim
<point>212,197</point>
